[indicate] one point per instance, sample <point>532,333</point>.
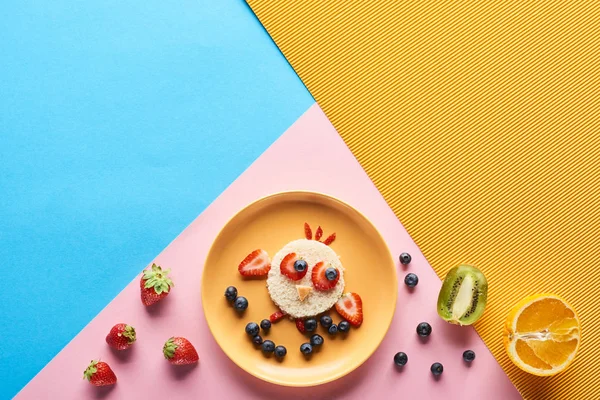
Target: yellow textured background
<point>480,124</point>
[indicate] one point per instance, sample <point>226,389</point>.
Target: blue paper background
<point>120,121</point>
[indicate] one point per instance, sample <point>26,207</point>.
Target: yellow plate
<point>269,224</point>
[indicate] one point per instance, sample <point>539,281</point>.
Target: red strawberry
<point>277,315</point>
<point>256,263</point>
<point>287,267</point>
<point>319,233</point>
<point>349,306</point>
<point>319,278</point>
<point>98,373</point>
<point>307,231</point>
<point>300,325</point>
<point>179,351</point>
<point>155,285</point>
<point>329,239</point>
<point>121,336</point>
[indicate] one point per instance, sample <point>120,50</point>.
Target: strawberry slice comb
<point>318,235</point>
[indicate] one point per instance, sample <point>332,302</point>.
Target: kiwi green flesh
<point>463,295</point>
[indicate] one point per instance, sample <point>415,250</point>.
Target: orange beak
<point>303,291</point>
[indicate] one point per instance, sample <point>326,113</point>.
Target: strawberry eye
<point>324,277</point>
<point>293,267</point>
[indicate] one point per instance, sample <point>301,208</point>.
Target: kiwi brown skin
<point>450,289</point>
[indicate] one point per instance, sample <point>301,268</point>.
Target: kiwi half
<point>463,295</point>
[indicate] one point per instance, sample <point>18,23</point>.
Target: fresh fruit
<point>265,324</point>
<point>300,325</point>
<point>316,340</point>
<point>303,291</point>
<point>331,274</point>
<point>268,347</point>
<point>411,280</point>
<point>437,369</point>
<point>333,330</point>
<point>310,325</point>
<point>257,340</point>
<point>542,334</point>
<point>349,306</point>
<point>463,295</point>
<point>121,336</point>
<point>287,267</point>
<point>469,355</point>
<point>329,239</point>
<point>252,329</point>
<point>319,276</point>
<point>307,231</point>
<point>400,359</point>
<point>405,258</point>
<point>155,285</point>
<point>306,349</point>
<point>276,316</point>
<point>423,329</point>
<point>240,304</point>
<point>179,351</point>
<point>230,293</point>
<point>326,321</point>
<point>256,263</point>
<point>98,373</point>
<point>318,234</point>
<point>344,326</point>
<point>280,351</point>
<point>300,265</point>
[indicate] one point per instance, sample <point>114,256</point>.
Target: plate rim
<point>331,377</point>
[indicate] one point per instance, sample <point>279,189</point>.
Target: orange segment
<point>552,352</point>
<point>526,354</point>
<point>542,334</point>
<point>541,314</point>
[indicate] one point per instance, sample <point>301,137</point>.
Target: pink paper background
<point>329,167</point>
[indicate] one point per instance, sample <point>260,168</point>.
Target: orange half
<point>542,334</point>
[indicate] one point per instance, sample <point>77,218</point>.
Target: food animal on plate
<point>305,279</point>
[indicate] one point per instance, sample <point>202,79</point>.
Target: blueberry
<point>300,265</point>
<point>469,355</point>
<point>405,258</point>
<point>326,321</point>
<point>424,329</point>
<point>400,359</point>
<point>316,340</point>
<point>241,303</point>
<point>331,274</point>
<point>257,340</point>
<point>268,346</point>
<point>411,280</point>
<point>437,369</point>
<point>344,326</point>
<point>280,351</point>
<point>333,329</point>
<point>310,325</point>
<point>230,293</point>
<point>252,329</point>
<point>306,349</point>
<point>265,324</point>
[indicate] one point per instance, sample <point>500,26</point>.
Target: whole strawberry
<point>121,336</point>
<point>155,285</point>
<point>98,373</point>
<point>179,351</point>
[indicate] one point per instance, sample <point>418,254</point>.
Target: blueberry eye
<point>300,265</point>
<point>331,274</point>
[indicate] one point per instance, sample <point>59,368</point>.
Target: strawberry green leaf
<point>169,348</point>
<point>129,333</point>
<point>157,278</point>
<point>90,370</point>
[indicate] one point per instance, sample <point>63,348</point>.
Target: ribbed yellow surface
<point>480,124</point>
